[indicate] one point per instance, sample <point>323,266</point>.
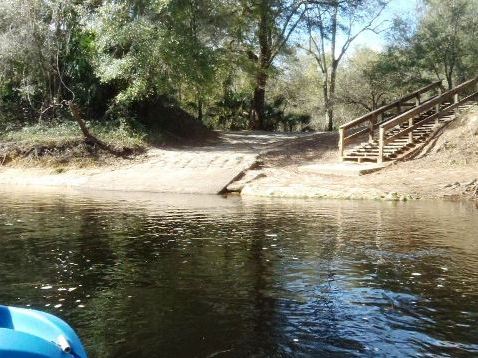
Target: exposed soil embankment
<point>446,168</point>
<point>62,156</point>
<point>61,144</point>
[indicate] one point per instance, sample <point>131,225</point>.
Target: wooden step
<point>375,151</point>
<point>400,147</point>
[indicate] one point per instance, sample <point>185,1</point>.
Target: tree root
<point>4,159</point>
<point>90,138</point>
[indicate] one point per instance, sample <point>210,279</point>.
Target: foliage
<point>442,45</point>
<point>332,27</point>
<point>293,98</point>
<point>267,64</point>
<point>155,48</point>
<point>365,82</point>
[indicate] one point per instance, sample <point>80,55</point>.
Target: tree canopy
<point>264,64</point>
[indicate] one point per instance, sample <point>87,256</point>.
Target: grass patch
<point>118,134</point>
<point>61,144</point>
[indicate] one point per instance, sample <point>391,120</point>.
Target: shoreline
<point>281,165</point>
<point>277,183</point>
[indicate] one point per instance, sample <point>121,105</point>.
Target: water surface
<point>143,275</point>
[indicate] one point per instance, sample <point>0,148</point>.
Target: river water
<point>146,275</point>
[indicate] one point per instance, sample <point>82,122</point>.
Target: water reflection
<point>143,275</point>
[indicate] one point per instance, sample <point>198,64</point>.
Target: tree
<point>152,49</point>
<point>439,44</point>
<point>31,45</point>
<point>363,82</point>
<point>332,27</point>
<point>295,89</point>
<point>446,37</point>
<point>270,24</point>
<point>45,55</point>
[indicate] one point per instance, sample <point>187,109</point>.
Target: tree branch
<point>367,27</point>
<point>287,31</point>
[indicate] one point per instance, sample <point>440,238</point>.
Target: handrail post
<point>341,143</point>
<point>381,138</point>
<point>456,99</point>
<point>410,121</point>
<point>410,135</point>
<point>437,107</point>
<point>371,124</point>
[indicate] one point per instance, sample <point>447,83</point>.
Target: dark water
<point>188,276</point>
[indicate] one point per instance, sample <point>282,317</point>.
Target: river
<point>151,275</point>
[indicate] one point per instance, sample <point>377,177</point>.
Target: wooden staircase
<point>400,134</point>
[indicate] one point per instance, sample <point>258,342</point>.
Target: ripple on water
<point>194,276</point>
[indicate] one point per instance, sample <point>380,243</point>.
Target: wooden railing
<point>444,102</point>
<point>374,119</point>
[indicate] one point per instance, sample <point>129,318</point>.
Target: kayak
<point>26,333</point>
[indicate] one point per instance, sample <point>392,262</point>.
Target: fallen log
<point>90,138</point>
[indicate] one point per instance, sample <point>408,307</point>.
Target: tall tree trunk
<point>448,74</point>
<point>333,71</point>
<point>449,80</point>
<point>329,117</point>
<point>328,89</point>
<point>259,103</point>
<point>331,99</point>
<point>257,120</point>
<point>327,105</point>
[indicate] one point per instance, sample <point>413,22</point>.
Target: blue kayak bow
<point>26,333</point>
